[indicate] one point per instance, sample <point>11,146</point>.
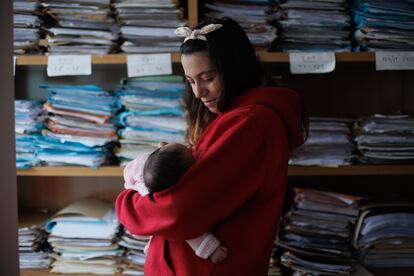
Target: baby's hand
<point>219,255</point>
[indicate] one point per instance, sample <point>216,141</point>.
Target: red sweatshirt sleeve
<point>229,172</point>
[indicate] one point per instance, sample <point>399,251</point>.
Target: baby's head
<point>166,165</point>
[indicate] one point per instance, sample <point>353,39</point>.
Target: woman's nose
<point>199,91</point>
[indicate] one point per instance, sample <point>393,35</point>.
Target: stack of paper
<point>148,26</point>
<point>135,253</point>
<point>316,233</point>
<point>33,248</point>
<point>315,26</point>
<point>384,25</point>
<point>28,124</point>
<point>80,27</point>
<point>385,139</point>
<point>79,128</point>
<point>152,114</point>
<point>256,18</point>
<point>329,144</point>
<point>384,236</point>
<point>82,236</point>
<point>26,24</point>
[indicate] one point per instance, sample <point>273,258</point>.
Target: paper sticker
<point>318,62</point>
<point>69,65</point>
<point>149,65</point>
<point>394,60</point>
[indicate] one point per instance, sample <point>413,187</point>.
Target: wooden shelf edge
<point>115,171</point>
<point>356,170</point>
<point>26,60</point>
<point>271,57</point>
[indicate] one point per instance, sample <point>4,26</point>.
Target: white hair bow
<point>197,33</point>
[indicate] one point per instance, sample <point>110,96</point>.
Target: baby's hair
<point>163,168</point>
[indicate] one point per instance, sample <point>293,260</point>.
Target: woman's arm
<point>230,171</point>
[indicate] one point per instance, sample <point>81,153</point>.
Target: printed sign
<point>69,65</point>
<point>318,62</point>
<point>394,60</point>
<point>149,65</point>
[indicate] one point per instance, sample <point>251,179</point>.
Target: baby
<point>158,171</point>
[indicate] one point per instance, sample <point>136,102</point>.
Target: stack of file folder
<point>315,26</point>
<point>383,139</point>
<point>148,26</point>
<point>316,233</point>
<point>29,119</point>
<point>135,253</point>
<point>26,26</point>
<point>384,236</point>
<point>33,248</point>
<point>256,17</point>
<point>152,113</point>
<point>83,236</point>
<point>80,27</point>
<point>329,144</point>
<point>383,25</point>
<point>80,128</point>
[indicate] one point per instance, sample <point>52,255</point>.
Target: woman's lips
<point>209,103</point>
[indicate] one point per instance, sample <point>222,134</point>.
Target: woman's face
<point>203,78</point>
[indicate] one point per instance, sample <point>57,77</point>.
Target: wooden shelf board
<point>263,56</point>
<point>72,171</point>
<point>352,170</point>
<point>104,59</point>
<point>116,171</point>
<point>45,272</point>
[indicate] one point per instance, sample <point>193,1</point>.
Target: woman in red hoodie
<point>241,133</point>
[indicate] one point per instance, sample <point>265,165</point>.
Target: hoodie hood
<point>284,102</point>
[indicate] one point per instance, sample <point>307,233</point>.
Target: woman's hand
<point>219,255</point>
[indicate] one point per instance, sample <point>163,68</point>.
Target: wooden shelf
<point>116,171</point>
<point>26,60</point>
<point>105,59</point>
<point>45,272</point>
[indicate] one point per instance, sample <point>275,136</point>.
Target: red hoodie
<point>235,190</point>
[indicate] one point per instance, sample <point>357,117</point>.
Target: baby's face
<point>188,154</point>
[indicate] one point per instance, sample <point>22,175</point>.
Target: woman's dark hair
<point>235,59</point>
<point>163,168</point>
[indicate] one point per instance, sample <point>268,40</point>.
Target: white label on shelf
<point>69,65</point>
<point>14,65</point>
<point>318,62</point>
<point>394,60</point>
<point>149,65</point>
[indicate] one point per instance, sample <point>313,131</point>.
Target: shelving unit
<point>116,171</point>
<point>353,89</point>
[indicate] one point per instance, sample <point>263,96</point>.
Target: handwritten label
<point>14,65</point>
<point>149,65</point>
<point>69,65</point>
<point>304,63</point>
<point>394,60</point>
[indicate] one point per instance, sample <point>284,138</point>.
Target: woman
<point>241,133</point>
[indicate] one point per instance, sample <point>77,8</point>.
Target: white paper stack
<point>316,233</point>
<point>32,248</point>
<point>329,144</point>
<point>256,18</point>
<point>135,253</point>
<point>29,119</point>
<point>82,236</point>
<point>148,26</point>
<point>26,24</point>
<point>152,113</point>
<point>80,27</point>
<point>383,139</point>
<point>315,26</point>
